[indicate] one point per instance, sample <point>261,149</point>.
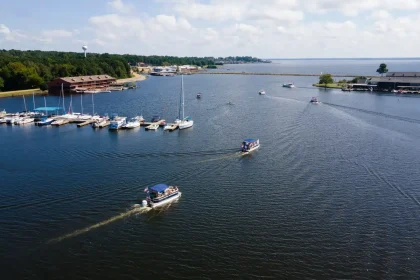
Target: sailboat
<point>186,122</point>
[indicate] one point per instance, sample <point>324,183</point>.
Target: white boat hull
<point>252,149</point>
<point>186,124</point>
<point>131,125</point>
<point>166,201</point>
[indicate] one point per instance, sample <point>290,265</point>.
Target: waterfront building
<point>79,84</point>
<point>397,81</point>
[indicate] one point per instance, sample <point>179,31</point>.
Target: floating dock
<point>172,127</point>
<point>160,123</point>
<point>85,123</point>
<point>60,122</point>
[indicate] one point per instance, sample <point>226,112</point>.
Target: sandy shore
<point>136,78</point>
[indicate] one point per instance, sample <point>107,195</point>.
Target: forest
<point>34,69</point>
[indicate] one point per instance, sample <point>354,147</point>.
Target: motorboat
<point>117,122</point>
<point>314,100</point>
<point>289,85</point>
<point>153,126</point>
<point>249,145</point>
<point>394,91</point>
<point>262,92</point>
<point>132,123</point>
<point>2,113</point>
<point>101,123</point>
<point>45,121</point>
<point>230,103</point>
<point>160,195</point>
<point>198,95</point>
<point>24,120</point>
<point>186,122</point>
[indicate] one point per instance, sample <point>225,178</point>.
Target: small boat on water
<point>198,95</point>
<point>132,123</point>
<point>45,121</point>
<point>261,92</point>
<point>314,100</point>
<point>2,113</point>
<point>160,195</point>
<point>249,145</point>
<point>24,120</point>
<point>153,126</point>
<point>117,122</point>
<point>230,103</point>
<point>289,85</point>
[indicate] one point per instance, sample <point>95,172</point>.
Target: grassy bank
<point>334,85</point>
<point>37,91</point>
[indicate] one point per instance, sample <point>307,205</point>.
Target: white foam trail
<point>103,223</point>
<point>238,154</point>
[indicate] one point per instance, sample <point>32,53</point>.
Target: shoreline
<point>281,74</point>
<point>16,93</point>
<point>136,78</point>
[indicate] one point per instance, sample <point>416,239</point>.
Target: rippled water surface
<point>333,191</point>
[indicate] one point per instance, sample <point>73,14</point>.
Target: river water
<point>333,192</point>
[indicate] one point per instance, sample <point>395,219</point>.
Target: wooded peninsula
<point>34,69</point>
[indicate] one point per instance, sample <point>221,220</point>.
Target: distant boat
<point>117,122</point>
<point>314,100</point>
<point>230,103</point>
<point>289,85</point>
<point>249,145</point>
<point>262,92</point>
<point>160,195</point>
<point>132,123</point>
<point>186,122</point>
<point>45,121</point>
<point>198,95</point>
<point>153,126</point>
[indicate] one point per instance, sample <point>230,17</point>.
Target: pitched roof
<point>87,78</point>
<point>403,74</point>
<point>409,80</point>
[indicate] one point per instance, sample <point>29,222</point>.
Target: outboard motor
<point>144,203</point>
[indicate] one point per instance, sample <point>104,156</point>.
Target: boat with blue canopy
<point>249,145</point>
<point>160,195</point>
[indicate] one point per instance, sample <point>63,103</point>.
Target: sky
<point>260,28</point>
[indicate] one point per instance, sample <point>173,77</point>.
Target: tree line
<point>34,69</point>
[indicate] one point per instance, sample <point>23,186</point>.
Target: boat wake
<point>375,113</point>
<point>135,210</point>
<point>235,155</point>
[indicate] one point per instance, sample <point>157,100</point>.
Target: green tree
<point>382,69</point>
<point>1,83</point>
<point>326,79</point>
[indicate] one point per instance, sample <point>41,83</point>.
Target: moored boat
<point>153,126</point>
<point>289,85</point>
<point>132,123</point>
<point>249,145</point>
<point>186,122</point>
<point>160,195</point>
<point>45,121</point>
<point>117,122</point>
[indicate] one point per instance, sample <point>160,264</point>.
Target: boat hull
<point>187,124</point>
<point>166,201</point>
<point>251,150</point>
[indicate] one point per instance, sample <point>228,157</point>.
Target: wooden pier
<point>60,122</point>
<point>160,123</point>
<point>85,123</point>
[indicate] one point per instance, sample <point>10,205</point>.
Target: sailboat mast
<point>33,99</point>
<point>182,89</point>
<point>24,102</point>
<point>71,104</point>
<point>93,106</point>
<point>45,104</point>
<point>81,103</point>
<point>62,91</point>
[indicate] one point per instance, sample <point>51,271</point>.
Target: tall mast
<point>81,103</point>
<point>33,99</point>
<point>62,91</point>
<point>93,106</point>
<point>24,102</point>
<point>71,104</point>
<point>45,104</point>
<point>182,89</point>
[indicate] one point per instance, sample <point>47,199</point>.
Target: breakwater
<point>282,74</point>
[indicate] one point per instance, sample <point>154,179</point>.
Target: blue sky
<point>265,28</point>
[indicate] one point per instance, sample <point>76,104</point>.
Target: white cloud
<point>120,7</point>
<point>4,29</point>
<point>56,33</point>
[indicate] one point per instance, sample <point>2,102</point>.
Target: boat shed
<point>397,80</point>
<point>70,84</point>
